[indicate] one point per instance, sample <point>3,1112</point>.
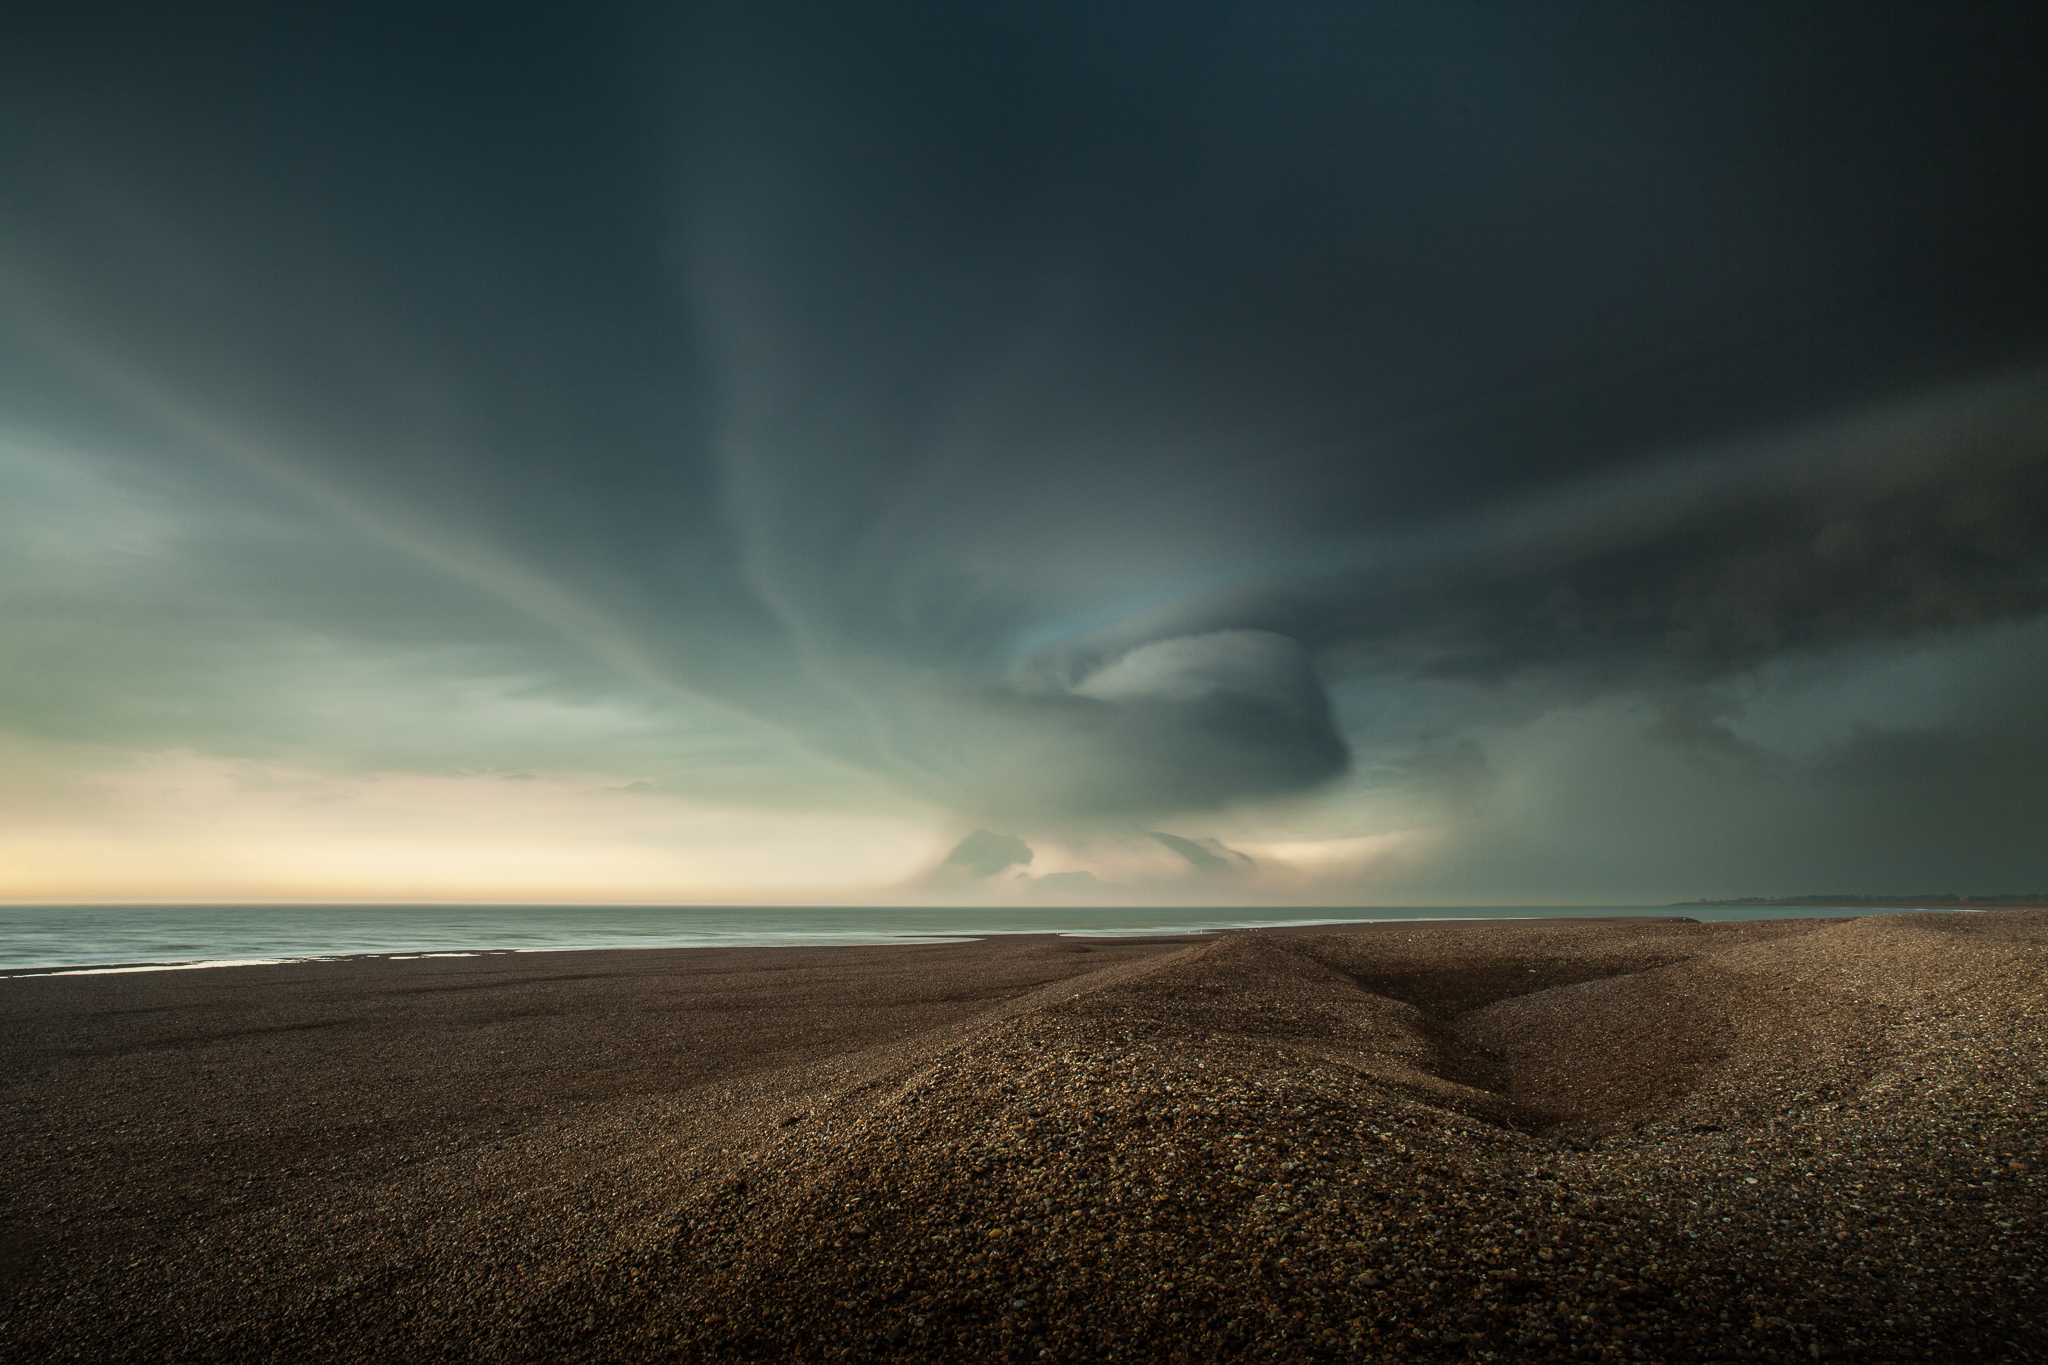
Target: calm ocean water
<point>146,937</point>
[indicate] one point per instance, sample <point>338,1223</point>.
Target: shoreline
<point>1591,916</point>
<point>964,936</point>
<point>1518,1140</point>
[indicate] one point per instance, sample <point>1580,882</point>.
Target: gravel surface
<point>1789,1140</point>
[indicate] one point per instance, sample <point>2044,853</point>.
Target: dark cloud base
<point>1051,411</point>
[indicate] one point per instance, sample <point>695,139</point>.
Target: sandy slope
<point>1775,1141</point>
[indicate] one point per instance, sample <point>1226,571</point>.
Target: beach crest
<point>1779,1140</point>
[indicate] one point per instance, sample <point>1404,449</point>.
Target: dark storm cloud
<point>1044,406</point>
<point>985,853</point>
<point>1204,855</point>
<point>1911,520</point>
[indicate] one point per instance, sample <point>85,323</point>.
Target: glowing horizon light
<point>183,827</point>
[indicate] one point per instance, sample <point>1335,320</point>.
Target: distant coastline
<point>2026,900</point>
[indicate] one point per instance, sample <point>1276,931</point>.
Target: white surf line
<point>170,966</point>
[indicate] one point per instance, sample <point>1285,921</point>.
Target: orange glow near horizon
<point>176,827</point>
<point>181,827</point>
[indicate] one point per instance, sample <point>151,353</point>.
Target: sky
<point>1336,454</point>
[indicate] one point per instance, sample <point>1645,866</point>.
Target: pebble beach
<point>1630,1140</point>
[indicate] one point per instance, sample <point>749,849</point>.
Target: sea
<point>50,939</point>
